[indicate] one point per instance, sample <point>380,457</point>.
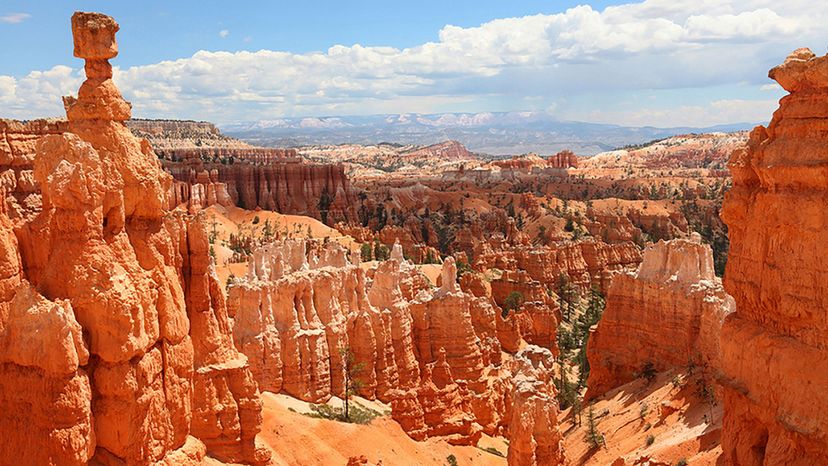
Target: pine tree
<point>353,383</point>
<point>593,436</point>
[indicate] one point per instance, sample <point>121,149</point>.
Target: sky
<point>657,62</point>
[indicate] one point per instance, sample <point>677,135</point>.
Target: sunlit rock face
<point>433,353</point>
<point>775,346</point>
<point>114,342</point>
<point>534,436</point>
<point>667,314</point>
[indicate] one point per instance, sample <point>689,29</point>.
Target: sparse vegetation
<point>594,438</point>
<point>512,303</point>
<point>648,371</point>
<point>352,371</point>
<point>494,451</point>
<point>366,252</point>
<point>358,414</point>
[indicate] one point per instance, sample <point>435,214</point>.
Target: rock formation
<point>534,438</point>
<point>774,347</point>
<point>433,354</point>
<point>19,194</point>
<point>665,315</point>
<point>585,263</point>
<point>563,159</point>
<point>132,361</point>
<point>211,168</point>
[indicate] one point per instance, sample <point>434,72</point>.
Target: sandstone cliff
<point>666,315</point>
<point>114,341</point>
<point>210,168</point>
<point>774,347</point>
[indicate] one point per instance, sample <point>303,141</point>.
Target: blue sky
<point>657,62</point>
<point>154,30</point>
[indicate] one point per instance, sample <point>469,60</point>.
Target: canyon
<point>173,295</point>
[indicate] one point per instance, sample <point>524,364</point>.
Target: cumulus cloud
<point>224,33</point>
<point>535,60</point>
<point>14,18</point>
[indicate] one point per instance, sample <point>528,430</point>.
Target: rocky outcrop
<point>287,186</point>
<point>585,263</point>
<point>114,340</point>
<point>774,347</point>
<point>668,314</point>
<point>563,159</point>
<point>442,152</point>
<point>534,438</point>
<point>210,168</point>
<point>19,194</point>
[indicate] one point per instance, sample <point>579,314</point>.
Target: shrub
<point>682,462</point>
<point>494,451</point>
<point>643,409</point>
<point>512,302</point>
<point>676,381</point>
<point>649,371</point>
<point>256,220</point>
<point>358,414</point>
<point>452,460</point>
<point>366,252</point>
<point>650,440</point>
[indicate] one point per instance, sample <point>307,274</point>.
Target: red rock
<point>104,260</point>
<point>774,346</point>
<point>667,314</point>
<point>534,438</point>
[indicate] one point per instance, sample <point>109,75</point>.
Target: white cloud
<point>540,59</point>
<point>14,18</point>
<point>224,33</point>
<point>717,112</point>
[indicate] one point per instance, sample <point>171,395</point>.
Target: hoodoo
<point>114,340</point>
<point>775,346</point>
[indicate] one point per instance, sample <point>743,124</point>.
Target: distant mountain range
<point>503,133</point>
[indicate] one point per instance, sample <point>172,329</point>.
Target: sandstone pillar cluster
<point>434,354</point>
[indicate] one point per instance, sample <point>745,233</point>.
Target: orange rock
<point>160,377</point>
<point>774,346</point>
<point>534,438</point>
<point>667,314</point>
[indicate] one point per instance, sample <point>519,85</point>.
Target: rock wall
<point>585,263</point>
<point>291,187</point>
<point>775,346</point>
<point>667,314</point>
<point>115,346</point>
